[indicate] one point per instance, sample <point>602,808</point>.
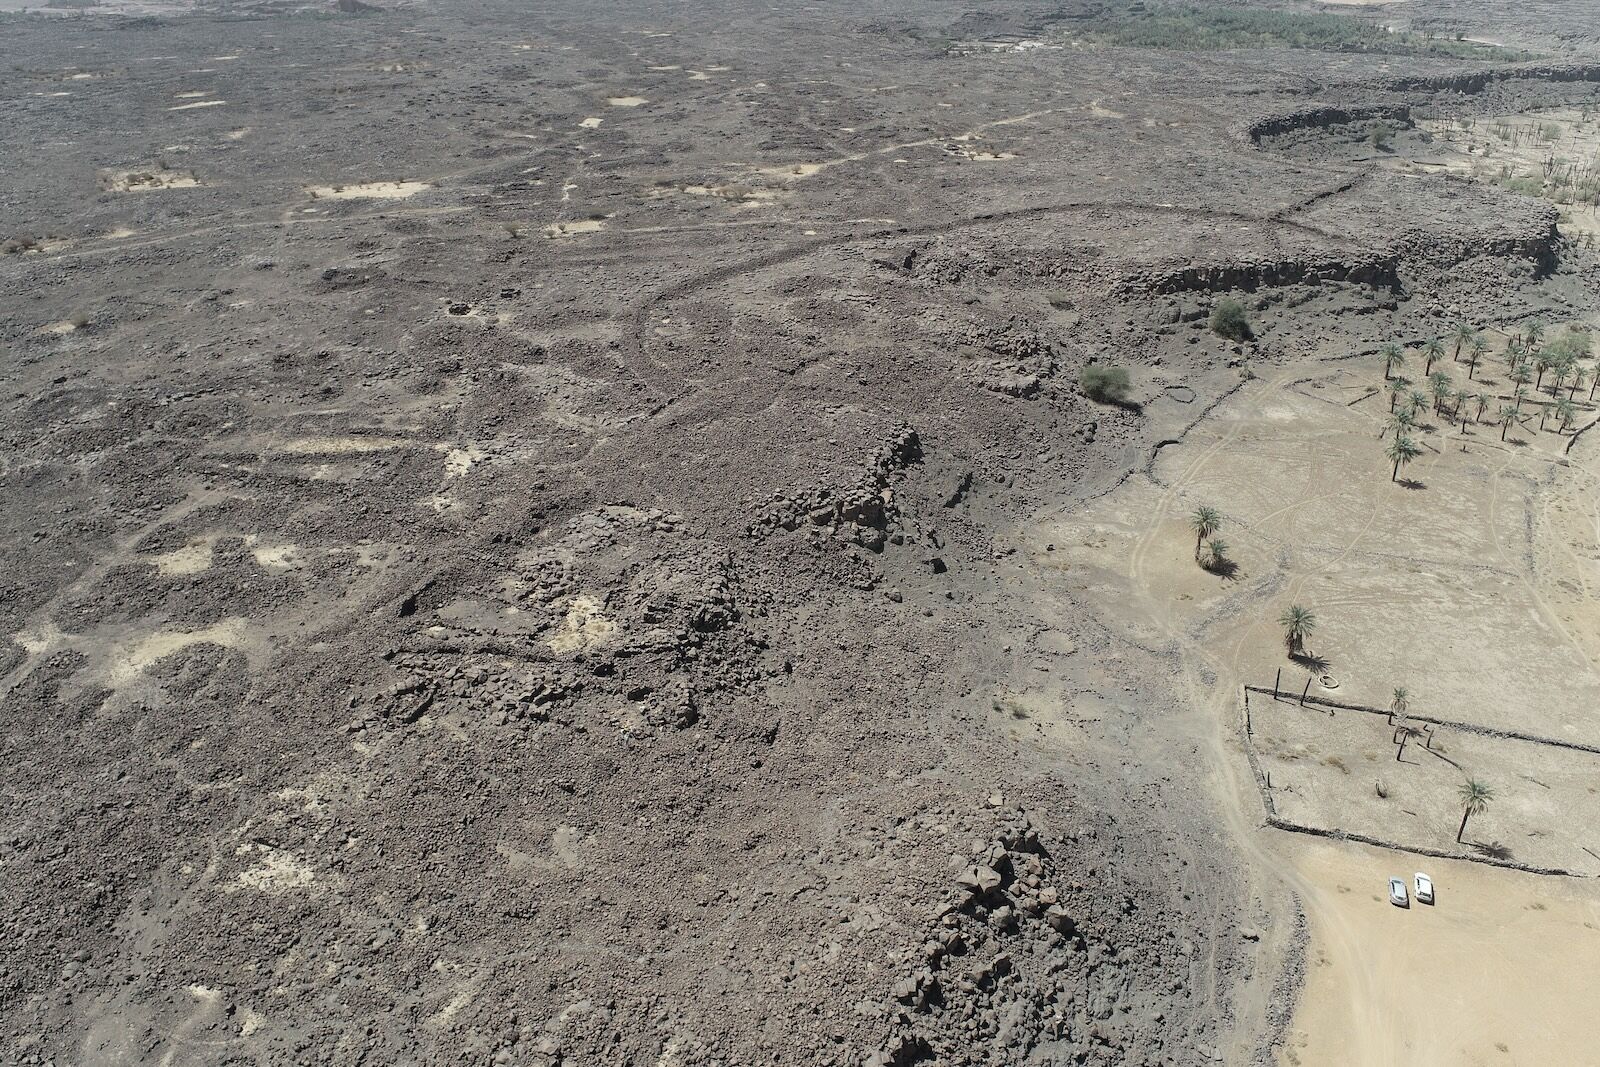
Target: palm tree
<point>1508,415</point>
<point>1562,367</point>
<point>1519,394</point>
<point>1217,553</point>
<point>1398,706</point>
<point>1475,796</point>
<point>1566,412</point>
<point>1580,378</point>
<point>1400,422</point>
<point>1204,522</point>
<point>1463,334</point>
<point>1397,388</point>
<point>1434,349</point>
<point>1483,402</point>
<point>1439,385</point>
<point>1298,624</point>
<point>1514,351</point>
<point>1534,334</point>
<point>1543,362</point>
<point>1394,357</point>
<point>1402,450</point>
<point>1417,401</point>
<point>1479,347</point>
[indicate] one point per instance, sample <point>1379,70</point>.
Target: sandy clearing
<point>626,101</point>
<point>458,460</point>
<point>1498,972</point>
<point>584,627</point>
<point>1502,970</point>
<point>572,229</point>
<point>196,104</point>
<point>591,123</point>
<point>368,190</point>
<point>190,559</point>
<point>139,181</point>
<point>316,446</point>
<point>127,660</point>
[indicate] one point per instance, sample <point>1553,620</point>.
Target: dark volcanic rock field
<point>572,609</point>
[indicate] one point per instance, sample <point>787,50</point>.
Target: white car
<point>1397,893</point>
<point>1424,889</point>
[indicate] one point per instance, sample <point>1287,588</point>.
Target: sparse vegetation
<point>1506,416</point>
<point>1204,27</point>
<point>1475,797</point>
<point>1216,554</point>
<point>1105,384</point>
<point>1399,705</point>
<point>1205,522</point>
<point>19,243</point>
<point>1401,450</point>
<point>1229,319</point>
<point>1394,358</point>
<point>1298,625</point>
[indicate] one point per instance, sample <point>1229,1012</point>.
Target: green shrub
<point>1107,385</point>
<point>1228,319</point>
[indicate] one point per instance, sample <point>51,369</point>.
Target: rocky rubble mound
<point>862,512</point>
<point>1036,958</point>
<point>654,631</point>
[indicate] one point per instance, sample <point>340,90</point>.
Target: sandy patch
<point>190,559</point>
<point>238,135</point>
<point>1549,153</point>
<point>198,103</point>
<point>278,871</point>
<point>129,659</point>
<point>319,446</point>
<point>368,190</point>
<point>1500,971</point>
<point>793,171</point>
<point>743,194</point>
<point>276,557</point>
<point>591,123</point>
<point>458,461</point>
<point>61,328</point>
<point>626,101</point>
<point>119,233</point>
<point>193,94</point>
<point>584,627</point>
<point>572,229</point>
<point>138,181</point>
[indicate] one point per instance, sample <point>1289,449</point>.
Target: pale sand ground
<point>1520,144</point>
<point>1504,970</point>
<point>1491,548</point>
<point>368,190</point>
